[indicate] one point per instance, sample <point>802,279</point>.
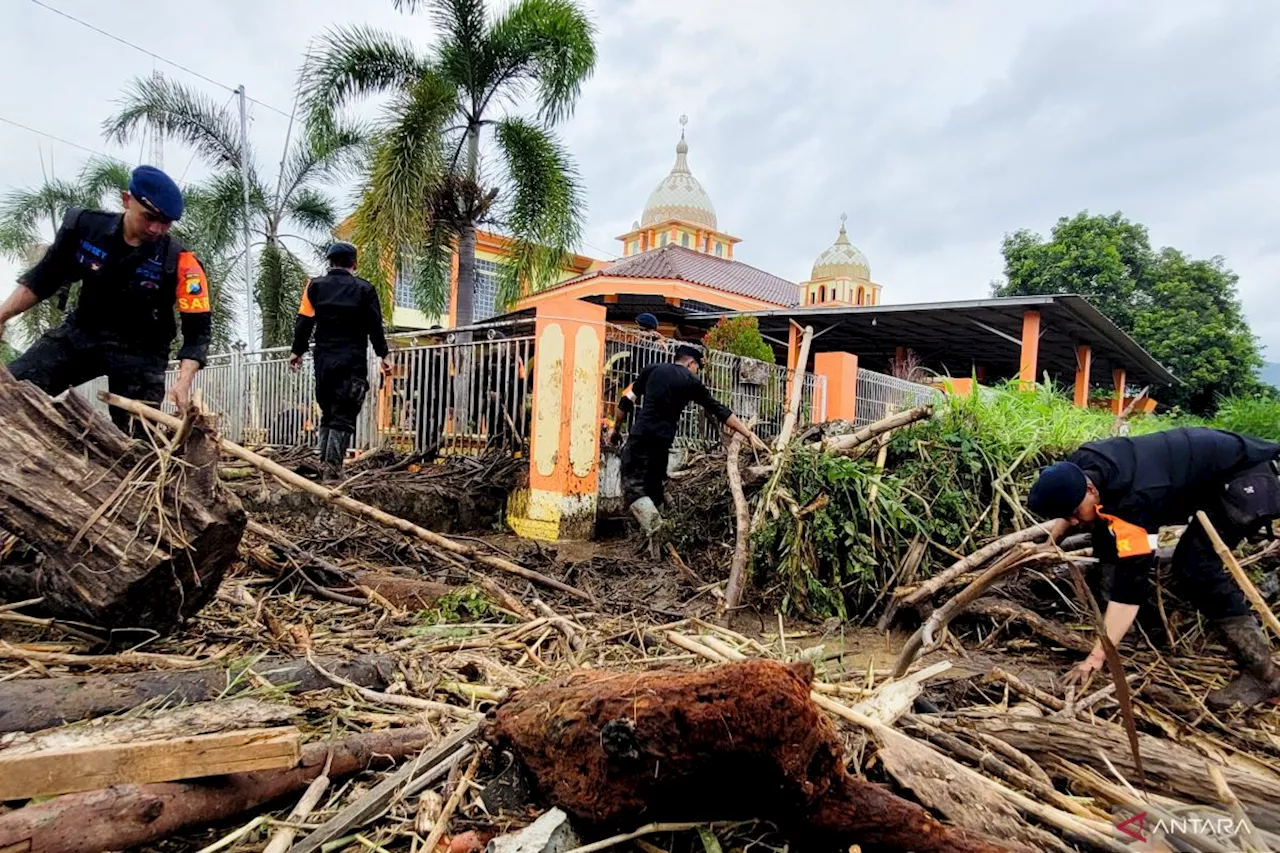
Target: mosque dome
<point>842,260</point>
<point>679,196</point>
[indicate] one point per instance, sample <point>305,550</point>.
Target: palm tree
<point>30,217</point>
<point>292,221</point>
<point>449,156</point>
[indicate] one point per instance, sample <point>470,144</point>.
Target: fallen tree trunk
<point>742,543</point>
<point>125,816</point>
<point>741,740</point>
<point>848,443</point>
<point>41,703</point>
<point>353,506</point>
<point>131,537</point>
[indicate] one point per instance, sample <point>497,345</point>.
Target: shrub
<point>740,336</point>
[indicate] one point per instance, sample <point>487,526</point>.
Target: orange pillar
<point>841,371</point>
<point>899,359</point>
<point>1084,363</point>
<point>1030,348</point>
<point>564,441</point>
<point>1117,399</point>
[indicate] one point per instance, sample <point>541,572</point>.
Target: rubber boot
<point>339,441</point>
<point>646,512</point>
<point>1259,678</point>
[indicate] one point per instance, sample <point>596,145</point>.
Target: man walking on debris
<point>666,388</point>
<point>133,275</point>
<point>346,315</point>
<point>1125,489</point>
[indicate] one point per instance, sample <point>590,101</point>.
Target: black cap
<point>1059,491</point>
<point>341,254</point>
<point>686,351</point>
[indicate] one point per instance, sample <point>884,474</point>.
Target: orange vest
<point>1131,540</point>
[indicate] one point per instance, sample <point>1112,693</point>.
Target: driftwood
<point>742,544</point>
<point>353,506</point>
<point>930,587</point>
<point>129,815</point>
<point>1232,565</point>
<point>40,703</point>
<point>742,740</point>
<point>130,536</point>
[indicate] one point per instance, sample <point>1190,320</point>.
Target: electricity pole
<point>244,180</point>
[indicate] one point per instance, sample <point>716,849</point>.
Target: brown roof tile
<point>681,264</point>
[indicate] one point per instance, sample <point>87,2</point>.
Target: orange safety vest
<point>1131,540</point>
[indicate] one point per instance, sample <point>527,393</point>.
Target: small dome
<point>679,196</point>
<point>842,260</point>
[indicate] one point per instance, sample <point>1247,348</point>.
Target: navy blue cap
<point>342,252</point>
<point>1059,491</point>
<point>647,321</point>
<point>157,191</point>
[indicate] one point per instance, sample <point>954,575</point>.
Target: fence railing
<point>879,395</point>
<point>752,389</point>
<point>453,398</point>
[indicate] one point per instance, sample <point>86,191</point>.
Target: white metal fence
<point>879,395</point>
<point>452,398</point>
<point>750,388</point>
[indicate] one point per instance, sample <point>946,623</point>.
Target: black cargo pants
<point>342,383</point>
<point>66,357</point>
<point>644,469</point>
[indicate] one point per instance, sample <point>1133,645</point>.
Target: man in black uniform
<point>133,274</point>
<point>666,388</point>
<point>1125,489</point>
<point>346,315</point>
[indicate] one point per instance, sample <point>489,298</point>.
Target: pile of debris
<point>395,688</point>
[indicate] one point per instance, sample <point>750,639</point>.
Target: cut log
<point>129,815</point>
<point>45,772</point>
<point>41,703</point>
<point>735,741</point>
<point>131,536</point>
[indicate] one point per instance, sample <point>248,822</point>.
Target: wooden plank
<point>50,772</point>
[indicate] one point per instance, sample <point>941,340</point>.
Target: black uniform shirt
<point>1157,480</point>
<point>127,293</point>
<point>665,390</point>
<point>345,313</point>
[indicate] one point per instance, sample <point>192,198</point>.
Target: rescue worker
<point>666,389</point>
<point>133,275</point>
<point>346,315</point>
<point>1125,489</point>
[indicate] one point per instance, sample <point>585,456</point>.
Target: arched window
<point>822,293</point>
<point>860,295</point>
<point>662,241</point>
<point>684,240</point>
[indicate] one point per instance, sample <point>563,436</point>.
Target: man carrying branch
<point>1125,489</point>
<point>665,390</point>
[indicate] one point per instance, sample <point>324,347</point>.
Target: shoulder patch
<point>193,286</point>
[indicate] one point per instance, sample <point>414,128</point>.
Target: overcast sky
<point>936,126</point>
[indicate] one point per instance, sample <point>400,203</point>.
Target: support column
<point>1117,398</point>
<point>899,360</point>
<point>1030,348</point>
<point>1084,363</point>
<point>564,448</point>
<point>841,371</point>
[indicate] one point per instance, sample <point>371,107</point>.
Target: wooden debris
<point>930,587</point>
<point>797,390</point>
<point>742,543</point>
<point>44,772</point>
<point>130,538</point>
<point>130,815</point>
<point>1250,591</point>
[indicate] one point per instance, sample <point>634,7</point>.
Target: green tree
<point>292,221</point>
<point>1185,312</point>
<point>30,217</point>
<point>739,336</point>
<point>451,155</point>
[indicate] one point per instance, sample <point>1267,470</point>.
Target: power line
<point>56,138</point>
<point>153,55</point>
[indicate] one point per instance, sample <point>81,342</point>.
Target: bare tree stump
<point>131,536</point>
<point>741,740</point>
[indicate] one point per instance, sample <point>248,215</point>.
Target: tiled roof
<point>680,264</point>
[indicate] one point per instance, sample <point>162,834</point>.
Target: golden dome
<point>842,260</point>
<point>679,196</point>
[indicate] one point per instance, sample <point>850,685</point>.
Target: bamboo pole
<point>1233,566</point>
<point>348,504</point>
<point>797,390</point>
<point>926,590</point>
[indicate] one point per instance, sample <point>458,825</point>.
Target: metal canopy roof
<point>953,337</point>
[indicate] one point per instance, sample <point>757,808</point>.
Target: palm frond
<point>29,217</point>
<point>104,175</point>
<point>431,268</point>
<point>549,44</point>
<point>180,113</point>
<point>277,290</point>
<point>312,210</point>
<point>461,56</point>
<point>542,207</point>
<point>214,214</point>
<point>354,62</point>
<point>326,153</point>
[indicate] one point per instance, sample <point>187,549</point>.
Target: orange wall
<point>841,371</point>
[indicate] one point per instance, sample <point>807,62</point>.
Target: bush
<point>1257,415</point>
<point>740,336</point>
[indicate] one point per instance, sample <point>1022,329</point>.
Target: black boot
<point>339,441</point>
<point>1259,678</point>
